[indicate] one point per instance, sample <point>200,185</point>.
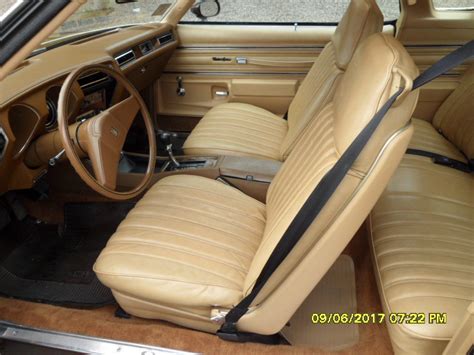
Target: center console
<point>250,175</point>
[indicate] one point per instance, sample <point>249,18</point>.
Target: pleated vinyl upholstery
<point>428,139</point>
<point>455,118</point>
<point>311,160</point>
<point>451,132</point>
<point>191,234</point>
<point>423,241</point>
<point>315,92</point>
<point>238,129</point>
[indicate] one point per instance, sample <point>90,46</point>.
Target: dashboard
<point>29,95</point>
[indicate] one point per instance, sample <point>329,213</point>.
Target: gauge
<point>52,119</point>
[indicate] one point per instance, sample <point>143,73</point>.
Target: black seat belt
<point>442,160</point>
<point>322,193</point>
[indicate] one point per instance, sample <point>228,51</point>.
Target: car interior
<point>189,183</point>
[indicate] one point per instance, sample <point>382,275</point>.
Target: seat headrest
<point>381,65</point>
<point>361,19</point>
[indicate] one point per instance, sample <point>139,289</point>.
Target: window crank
<point>180,91</point>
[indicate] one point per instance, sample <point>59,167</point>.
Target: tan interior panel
<point>257,59</point>
<point>259,65</point>
<point>255,87</point>
<point>420,23</point>
<point>204,91</point>
<point>432,95</point>
<point>260,36</point>
<point>428,35</point>
<point>426,55</point>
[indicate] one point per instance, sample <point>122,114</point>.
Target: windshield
<point>103,14</point>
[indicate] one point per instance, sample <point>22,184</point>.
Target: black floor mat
<point>53,264</point>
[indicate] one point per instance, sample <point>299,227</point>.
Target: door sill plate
<point>76,343</point>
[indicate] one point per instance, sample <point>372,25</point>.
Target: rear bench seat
<point>422,229</point>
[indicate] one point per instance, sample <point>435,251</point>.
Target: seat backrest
<point>361,19</point>
<point>455,117</point>
<point>380,66</point>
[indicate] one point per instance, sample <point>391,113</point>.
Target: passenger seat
<point>245,130</point>
<point>422,230</point>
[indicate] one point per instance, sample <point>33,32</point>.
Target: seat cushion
<point>426,138</point>
<point>188,243</point>
<point>422,240</point>
<point>238,129</point>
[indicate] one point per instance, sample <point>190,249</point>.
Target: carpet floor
<point>101,322</point>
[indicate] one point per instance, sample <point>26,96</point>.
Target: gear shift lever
<point>166,138</point>
<point>169,149</point>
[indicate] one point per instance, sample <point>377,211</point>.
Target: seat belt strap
<point>325,189</point>
<point>442,160</point>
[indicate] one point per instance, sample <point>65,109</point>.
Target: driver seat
<point>193,247</point>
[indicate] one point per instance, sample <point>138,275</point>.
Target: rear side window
<point>453,5</point>
<point>288,11</point>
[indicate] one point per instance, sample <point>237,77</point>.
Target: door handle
<point>180,91</point>
<point>222,93</point>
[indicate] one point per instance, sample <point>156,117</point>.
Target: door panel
<point>253,60</point>
<point>203,91</point>
<point>259,65</point>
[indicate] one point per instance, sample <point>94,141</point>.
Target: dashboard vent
<point>3,142</point>
<point>92,79</point>
<point>125,58</point>
<point>165,39</point>
<point>146,47</point>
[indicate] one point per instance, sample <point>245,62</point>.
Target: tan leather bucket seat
<point>246,130</point>
<point>194,246</point>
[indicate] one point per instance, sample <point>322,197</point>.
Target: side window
<point>287,11</point>
<point>453,5</point>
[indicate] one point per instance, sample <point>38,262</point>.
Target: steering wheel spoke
<point>106,134</point>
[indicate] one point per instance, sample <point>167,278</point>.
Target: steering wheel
<point>102,137</point>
